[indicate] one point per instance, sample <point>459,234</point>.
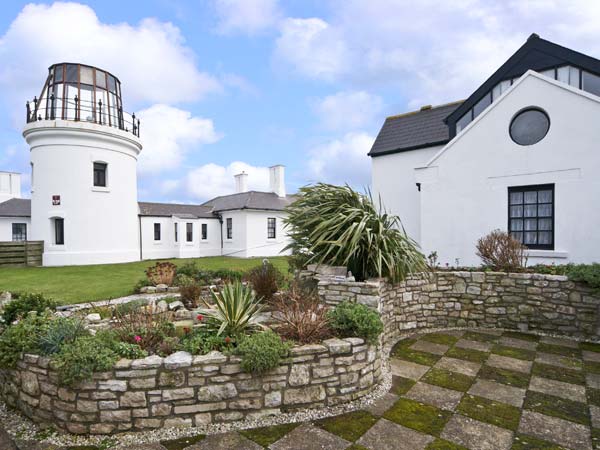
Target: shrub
<point>24,304</point>
<point>262,351</point>
<point>161,273</point>
<point>168,346</point>
<point>500,251</point>
<point>355,320</point>
<point>188,269</point>
<point>337,226</point>
<point>190,291</point>
<point>58,332</point>
<point>301,317</point>
<point>585,273</point>
<point>78,360</point>
<point>22,337</point>
<point>140,284</point>
<point>226,275</point>
<point>265,279</point>
<point>144,326</point>
<point>200,341</point>
<point>235,311</point>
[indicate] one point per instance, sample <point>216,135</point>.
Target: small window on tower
<point>100,174</point>
<point>189,232</point>
<point>59,231</point>
<point>157,231</point>
<point>19,231</point>
<point>204,231</point>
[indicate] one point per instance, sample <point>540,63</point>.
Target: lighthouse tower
<point>84,151</point>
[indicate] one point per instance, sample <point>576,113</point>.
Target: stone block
<point>217,392</point>
<point>115,416</point>
<point>338,346</point>
<point>309,394</point>
<point>177,394</point>
<point>178,360</point>
<point>133,399</point>
<point>151,362</point>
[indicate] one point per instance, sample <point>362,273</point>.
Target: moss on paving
<point>490,411</point>
<point>181,443</point>
<point>407,354</point>
<point>590,346</point>
<point>357,447</point>
<point>593,396</point>
<point>441,444</point>
<point>558,373</point>
<point>591,367</point>
<point>266,436</point>
<point>557,407</point>
<point>401,385</point>
<point>349,426</point>
<point>418,416</point>
<point>513,352</point>
<point>440,338</point>
<point>467,354</point>
<point>522,336</point>
<point>448,379</point>
<point>596,437</point>
<point>504,376</point>
<point>481,337</point>
<point>559,350</point>
<point>526,442</point>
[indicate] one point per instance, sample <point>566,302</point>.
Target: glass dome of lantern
<point>79,92</point>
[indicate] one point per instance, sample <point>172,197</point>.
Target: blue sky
<point>230,85</point>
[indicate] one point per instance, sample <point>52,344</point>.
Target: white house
<point>520,154</point>
<point>84,204</point>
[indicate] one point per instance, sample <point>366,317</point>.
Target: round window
<point>529,126</point>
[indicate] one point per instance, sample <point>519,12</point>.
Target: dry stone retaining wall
<point>182,390</point>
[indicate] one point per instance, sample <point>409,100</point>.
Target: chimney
<point>277,180</point>
<point>10,186</point>
<point>241,182</point>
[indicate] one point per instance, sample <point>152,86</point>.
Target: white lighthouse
<point>84,152</point>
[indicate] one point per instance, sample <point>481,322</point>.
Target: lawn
<point>76,284</point>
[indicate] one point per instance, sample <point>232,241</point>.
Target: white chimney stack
<point>10,186</point>
<point>241,182</point>
<point>277,180</point>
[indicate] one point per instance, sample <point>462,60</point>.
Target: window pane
<point>516,198</point>
<point>157,231</point>
<point>516,211</point>
<point>58,73</point>
<point>563,74</point>
<point>530,224</point>
<point>548,73</point>
<point>481,105</point>
<point>530,238</point>
<point>545,238</point>
<point>591,83</point>
<point>59,231</point>
<point>529,127</point>
<point>516,225</point>
<point>189,228</point>
<point>574,77</point>
<point>86,75</point>
<point>100,79</point>
<point>545,210</point>
<point>71,73</point>
<point>518,236</point>
<point>112,84</point>
<point>531,197</point>
<point>530,210</point>
<point>463,122</point>
<point>545,196</point>
<point>545,224</point>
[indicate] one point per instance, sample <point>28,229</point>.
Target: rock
<point>94,317</point>
<point>308,394</point>
<point>29,383</point>
<point>337,346</point>
<point>144,290</point>
<point>178,360</point>
<point>162,306</point>
<point>299,375</point>
<point>176,306</point>
<point>150,289</point>
<point>133,400</point>
<point>161,288</point>
<point>217,392</point>
<point>150,362</point>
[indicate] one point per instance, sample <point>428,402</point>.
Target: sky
<point>224,86</point>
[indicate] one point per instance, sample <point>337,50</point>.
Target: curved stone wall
<point>185,390</point>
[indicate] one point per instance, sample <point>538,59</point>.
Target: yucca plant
<point>235,310</point>
<point>336,225</point>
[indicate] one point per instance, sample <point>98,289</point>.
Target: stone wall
<point>527,302</point>
<point>185,390</point>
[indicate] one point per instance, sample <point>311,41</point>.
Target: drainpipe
<point>221,228</point>
<point>140,236</point>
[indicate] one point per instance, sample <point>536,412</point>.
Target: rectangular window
<point>176,232</point>
<point>204,231</point>
<point>59,231</point>
<point>531,215</point>
<point>591,83</point>
<point>19,231</point>
<point>229,228</point>
<point>100,174</point>
<point>189,232</point>
<point>271,227</point>
<point>157,231</point>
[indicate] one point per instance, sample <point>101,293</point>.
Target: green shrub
<point>24,304</point>
<point>60,331</point>
<point>129,351</point>
<point>78,360</point>
<point>585,273</point>
<point>200,341</point>
<point>190,291</point>
<point>140,284</point>
<point>355,320</point>
<point>21,338</point>
<point>168,346</point>
<point>235,311</point>
<point>265,279</point>
<point>261,352</point>
<point>188,269</point>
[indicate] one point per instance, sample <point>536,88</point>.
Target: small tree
<point>500,251</point>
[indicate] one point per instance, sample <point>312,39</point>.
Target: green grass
<point>418,416</point>
<point>558,373</point>
<point>440,338</point>
<point>590,346</point>
<point>267,435</point>
<point>467,354</point>
<point>557,407</point>
<point>484,410</point>
<point>526,442</point>
<point>403,351</point>
<point>513,352</point>
<point>448,379</point>
<point>76,284</point>
<point>349,426</point>
<point>504,376</point>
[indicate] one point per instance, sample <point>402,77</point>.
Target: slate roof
<point>16,207</point>
<point>250,200</point>
<point>413,130</point>
<point>173,209</point>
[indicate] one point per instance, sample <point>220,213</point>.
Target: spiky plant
<point>235,310</point>
<point>336,225</point>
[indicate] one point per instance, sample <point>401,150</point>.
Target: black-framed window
<point>204,231</point>
<point>229,228</point>
<point>189,232</point>
<point>100,174</point>
<point>271,228</point>
<point>19,231</point>
<point>157,231</point>
<point>531,215</point>
<point>176,232</point>
<point>59,231</point>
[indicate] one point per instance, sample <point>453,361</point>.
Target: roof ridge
<point>409,113</point>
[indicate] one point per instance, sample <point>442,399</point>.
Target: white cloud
<point>168,133</point>
<point>246,16</point>
<point>150,58</point>
<point>343,160</point>
<point>348,110</point>
<point>211,180</point>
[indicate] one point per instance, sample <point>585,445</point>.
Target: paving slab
<point>6,441</point>
<point>407,369</point>
<point>591,356</point>
<point>381,405</point>
<point>391,436</point>
<point>458,365</point>
<point>506,362</point>
<point>225,441</point>
<point>488,331</point>
<point>557,360</point>
<point>476,435</point>
<point>595,415</point>
<point>430,347</point>
<point>593,380</point>
<point>559,341</point>
<point>474,345</point>
<point>561,389</point>
<point>558,431</point>
<point>309,437</point>
<point>498,392</point>
<point>435,395</point>
<point>518,343</point>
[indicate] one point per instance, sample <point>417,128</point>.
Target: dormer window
<point>100,174</point>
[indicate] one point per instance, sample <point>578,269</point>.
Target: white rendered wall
<point>394,181</point>
<point>10,186</point>
<point>6,227</point>
<point>464,191</point>
<point>101,224</point>
<point>237,245</point>
<point>258,242</point>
